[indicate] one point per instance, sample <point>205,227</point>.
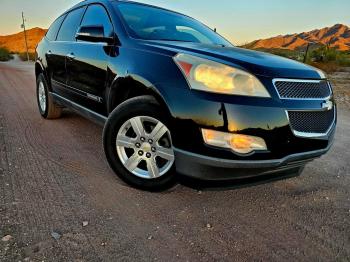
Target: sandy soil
<point>59,200</point>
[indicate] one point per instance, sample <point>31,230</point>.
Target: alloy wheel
<point>144,147</point>
<point>42,96</point>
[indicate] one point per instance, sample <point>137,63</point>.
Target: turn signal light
<point>241,144</point>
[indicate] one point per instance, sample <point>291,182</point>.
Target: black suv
<point>177,98</point>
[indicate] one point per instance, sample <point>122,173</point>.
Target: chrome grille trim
<point>310,134</point>
<point>286,80</point>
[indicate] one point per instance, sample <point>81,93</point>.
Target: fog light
<point>241,144</point>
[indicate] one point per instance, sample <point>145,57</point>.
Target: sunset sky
<point>240,21</point>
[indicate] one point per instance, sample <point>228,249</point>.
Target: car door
<point>87,68</point>
<point>61,48</point>
<point>56,70</point>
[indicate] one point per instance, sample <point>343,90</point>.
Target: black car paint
<point>98,73</point>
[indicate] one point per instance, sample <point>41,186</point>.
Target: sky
<point>240,21</point>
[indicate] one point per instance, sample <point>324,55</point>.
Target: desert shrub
<point>344,60</point>
<point>321,56</point>
<point>23,56</point>
<point>5,54</point>
<point>328,59</point>
<point>291,54</point>
<point>331,55</point>
<point>324,54</point>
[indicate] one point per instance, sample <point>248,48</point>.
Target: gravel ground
<point>59,200</point>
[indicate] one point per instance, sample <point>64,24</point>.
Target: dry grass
<point>329,67</point>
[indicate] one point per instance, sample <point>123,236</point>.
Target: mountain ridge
<point>337,36</point>
<point>15,42</point>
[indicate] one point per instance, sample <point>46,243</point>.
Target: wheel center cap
<point>146,147</point>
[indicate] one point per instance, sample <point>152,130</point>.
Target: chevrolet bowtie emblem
<point>328,105</point>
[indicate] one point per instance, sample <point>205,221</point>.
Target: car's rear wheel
<point>138,146</point>
<point>47,107</point>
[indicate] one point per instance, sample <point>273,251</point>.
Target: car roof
<point>86,2</point>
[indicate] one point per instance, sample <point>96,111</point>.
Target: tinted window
<point>70,25</point>
<point>97,15</point>
<point>150,23</point>
<point>53,30</point>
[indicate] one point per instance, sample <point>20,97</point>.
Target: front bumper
<point>211,168</point>
<point>265,118</point>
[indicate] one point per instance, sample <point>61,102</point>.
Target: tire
<point>47,107</point>
<point>146,171</point>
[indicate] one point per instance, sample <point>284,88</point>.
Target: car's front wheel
<point>47,107</point>
<point>138,146</point>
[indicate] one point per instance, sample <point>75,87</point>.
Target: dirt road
<point>54,177</point>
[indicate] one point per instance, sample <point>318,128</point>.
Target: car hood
<point>258,63</point>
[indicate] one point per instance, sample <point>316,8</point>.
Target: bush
<point>328,59</point>
<point>324,54</point>
<point>5,55</point>
<point>321,56</point>
<point>291,54</point>
<point>344,60</point>
<point>23,56</point>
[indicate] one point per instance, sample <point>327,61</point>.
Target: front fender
<point>38,67</point>
<point>120,86</point>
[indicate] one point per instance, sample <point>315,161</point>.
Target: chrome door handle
<point>71,56</point>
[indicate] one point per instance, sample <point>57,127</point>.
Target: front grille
<point>316,122</point>
<point>303,89</point>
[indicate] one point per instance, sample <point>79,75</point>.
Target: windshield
<point>151,23</point>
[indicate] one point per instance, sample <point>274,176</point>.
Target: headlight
<point>206,75</point>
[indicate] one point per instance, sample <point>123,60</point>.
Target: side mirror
<point>93,33</point>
